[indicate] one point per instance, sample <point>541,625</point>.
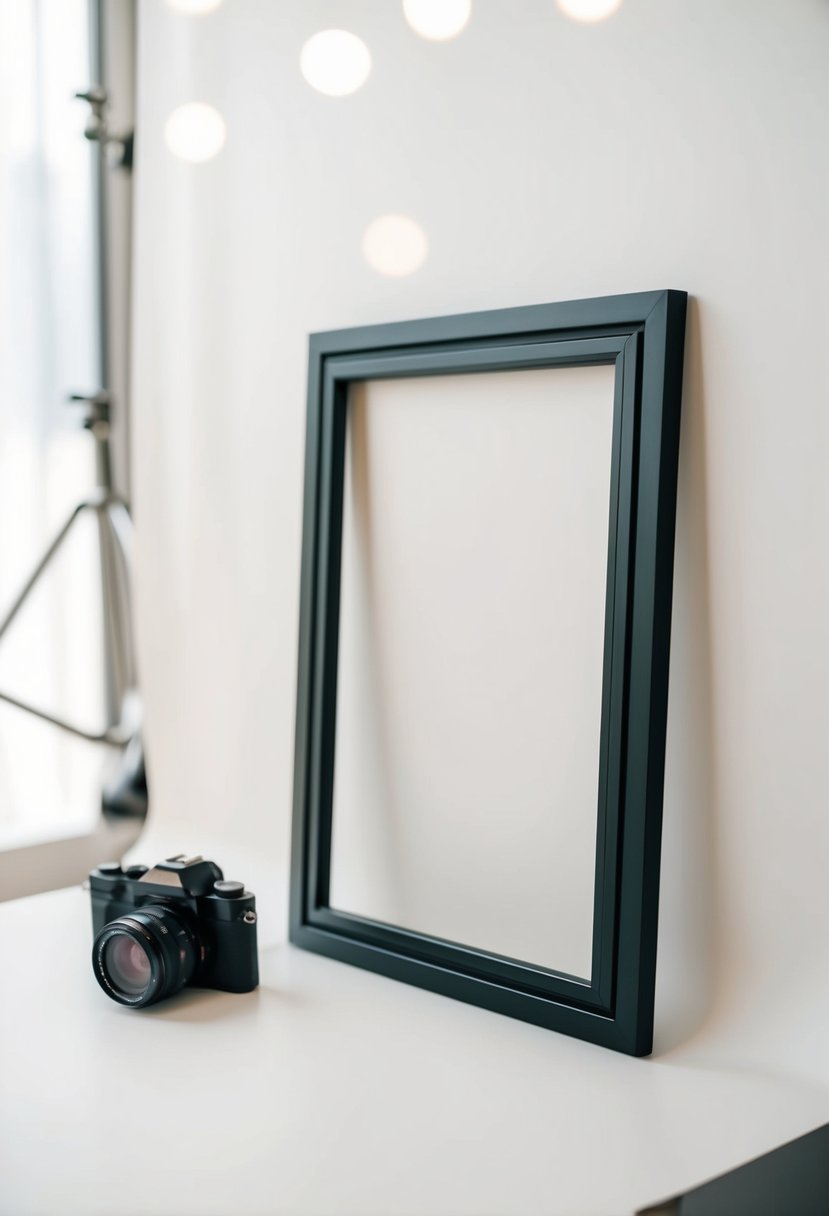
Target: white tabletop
<point>333,1091</point>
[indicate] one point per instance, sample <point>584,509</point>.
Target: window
<point>52,655</point>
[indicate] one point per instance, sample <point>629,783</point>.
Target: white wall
<point>676,145</point>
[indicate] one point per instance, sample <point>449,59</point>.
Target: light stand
<point>114,529</point>
<point>127,793</point>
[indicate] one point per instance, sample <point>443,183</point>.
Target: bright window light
<point>195,132</point>
<point>194,8</point>
<point>395,245</point>
<point>589,10</point>
<point>437,19</point>
<point>335,62</point>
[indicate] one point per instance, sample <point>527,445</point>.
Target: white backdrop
<point>676,145</point>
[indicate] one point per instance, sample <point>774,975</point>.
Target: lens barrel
<point>145,955</point>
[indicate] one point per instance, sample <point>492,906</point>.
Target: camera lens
<point>145,955</point>
<point>127,964</point>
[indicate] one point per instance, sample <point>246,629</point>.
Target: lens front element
<point>146,955</point>
<point>127,964</point>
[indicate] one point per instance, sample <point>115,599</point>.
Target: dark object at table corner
<point>126,794</point>
<point>792,1180</point>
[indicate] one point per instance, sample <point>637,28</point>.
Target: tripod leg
<point>43,563</point>
<point>116,553</point>
<point>116,731</point>
<point>117,633</point>
<point>121,524</point>
<point>126,793</point>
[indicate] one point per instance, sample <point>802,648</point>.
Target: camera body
<point>220,916</point>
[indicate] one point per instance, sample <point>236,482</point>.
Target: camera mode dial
<point>229,890</point>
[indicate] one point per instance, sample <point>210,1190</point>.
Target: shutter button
<point>228,890</point>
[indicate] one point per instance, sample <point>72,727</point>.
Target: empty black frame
<point>642,335</point>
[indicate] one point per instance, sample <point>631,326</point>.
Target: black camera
<point>179,923</point>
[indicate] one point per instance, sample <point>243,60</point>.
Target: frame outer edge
<point>629,310</point>
<point>653,598</point>
<point>302,735</point>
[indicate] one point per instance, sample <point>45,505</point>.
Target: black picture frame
<point>642,335</point>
